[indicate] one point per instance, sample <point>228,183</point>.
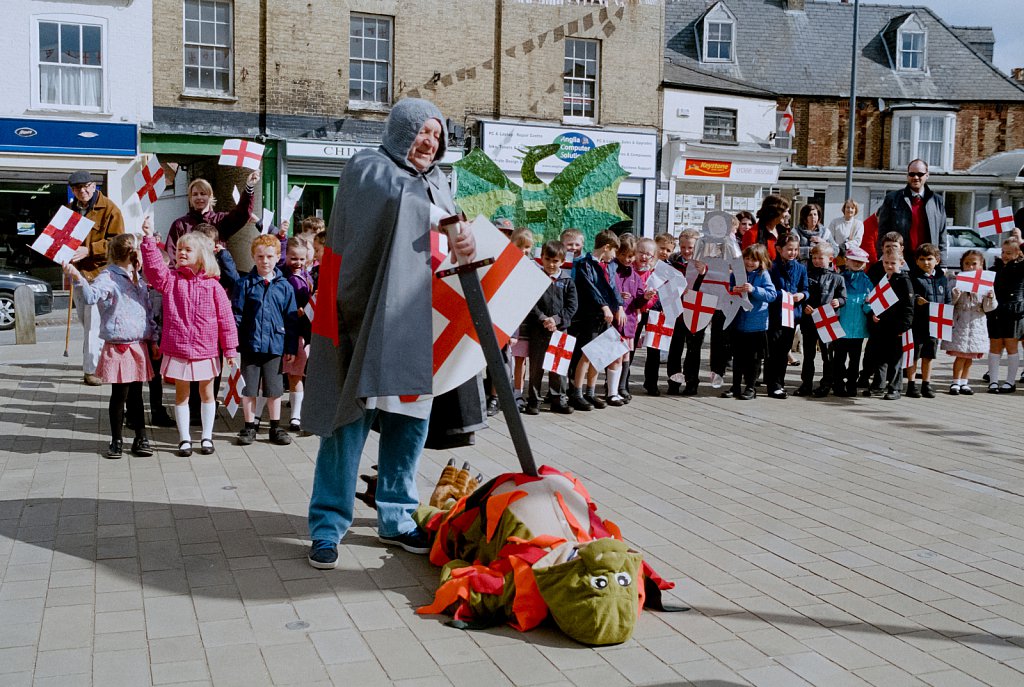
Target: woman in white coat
<point>847,231</point>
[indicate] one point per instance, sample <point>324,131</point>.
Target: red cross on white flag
<point>788,316</point>
<point>233,391</point>
<point>907,340</point>
<point>559,353</point>
<point>882,297</point>
<point>150,183</point>
<point>605,349</point>
<point>698,309</point>
<point>787,124</point>
<point>63,235</point>
<point>657,334</point>
<point>976,281</point>
<point>827,322</point>
<point>996,221</point>
<point>310,308</point>
<point>240,153</point>
<point>940,321</point>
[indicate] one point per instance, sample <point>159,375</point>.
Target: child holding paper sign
<point>552,313</point>
<point>970,335</point>
<point>930,286</point>
<point>751,326</point>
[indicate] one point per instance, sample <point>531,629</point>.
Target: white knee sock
<point>296,398</point>
<point>261,403</point>
<point>181,419</point>
<point>993,367</point>
<point>611,378</point>
<point>1012,368</point>
<point>207,411</point>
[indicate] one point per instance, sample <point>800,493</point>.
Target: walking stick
<point>67,330</point>
<point>476,302</point>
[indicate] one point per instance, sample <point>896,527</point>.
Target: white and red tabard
<point>976,281</point>
<point>882,297</point>
<point>698,309</point>
<point>150,183</point>
<point>241,153</point>
<point>827,323</point>
<point>657,331</point>
<point>788,314</point>
<point>907,340</point>
<point>233,390</point>
<point>940,321</point>
<point>559,353</point>
<point>63,235</point>
<point>511,285</point>
<point>605,349</point>
<point>998,221</point>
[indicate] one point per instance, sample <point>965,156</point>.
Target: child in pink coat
<point>197,326</point>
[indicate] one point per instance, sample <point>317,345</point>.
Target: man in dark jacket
<point>915,211</point>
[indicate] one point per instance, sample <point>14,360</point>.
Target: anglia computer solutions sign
<point>504,143</point>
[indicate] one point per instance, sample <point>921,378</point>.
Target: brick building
<point>315,81</point>
<point>925,89</point>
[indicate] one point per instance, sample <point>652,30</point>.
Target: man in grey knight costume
<point>388,199</point>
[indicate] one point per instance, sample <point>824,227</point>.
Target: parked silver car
<point>959,240</point>
<point>9,281</point>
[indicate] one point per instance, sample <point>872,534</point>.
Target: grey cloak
<point>380,227</point>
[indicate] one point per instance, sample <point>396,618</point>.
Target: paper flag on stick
<point>998,221</point>
<point>63,235</point>
<point>655,281</point>
<point>976,281</point>
<point>940,321</point>
<point>239,153</point>
<point>559,353</point>
<point>882,297</point>
<point>698,309</point>
<point>268,220</point>
<point>310,308</point>
<point>150,183</point>
<point>290,201</point>
<point>827,322</point>
<point>668,272</point>
<point>657,334</point>
<point>788,317</point>
<point>605,349</point>
<point>233,391</point>
<point>670,294</point>
<point>908,347</point>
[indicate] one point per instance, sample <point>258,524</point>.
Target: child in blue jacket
<point>788,274</point>
<point>853,318</point>
<point>749,335</point>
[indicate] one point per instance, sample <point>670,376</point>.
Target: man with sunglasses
<point>915,211</point>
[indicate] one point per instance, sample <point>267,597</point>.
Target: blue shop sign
<point>56,137</point>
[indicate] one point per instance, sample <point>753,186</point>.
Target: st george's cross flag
<point>940,321</point>
<point>150,183</point>
<point>907,340</point>
<point>882,297</point>
<point>310,308</point>
<point>238,152</point>
<point>559,353</point>
<point>605,349</point>
<point>233,390</point>
<point>788,316</point>
<point>63,235</point>
<point>827,323</point>
<point>997,221</point>
<point>976,281</point>
<point>657,331</point>
<point>787,123</point>
<point>698,309</point>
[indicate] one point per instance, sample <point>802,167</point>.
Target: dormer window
<point>912,49</point>
<point>906,41</point>
<point>717,34</point>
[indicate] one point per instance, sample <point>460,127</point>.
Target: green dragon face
<point>594,597</point>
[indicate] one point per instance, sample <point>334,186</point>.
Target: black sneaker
<point>778,393</point>
<point>279,436</point>
<point>115,449</point>
<point>891,395</point>
<point>595,401</point>
<point>246,436</point>
<point>749,394</point>
<point>532,409</point>
<point>323,555</point>
<point>141,447</point>
<point>416,541</point>
<point>492,407</point>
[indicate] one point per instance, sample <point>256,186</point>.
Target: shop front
<point>504,143</point>
<point>36,157</point>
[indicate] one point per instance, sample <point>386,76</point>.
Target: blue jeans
<point>337,470</point>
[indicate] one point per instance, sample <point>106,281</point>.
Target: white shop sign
<point>332,150</point>
<point>503,144</point>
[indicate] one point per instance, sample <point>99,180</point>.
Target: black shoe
<point>323,555</point>
<point>141,447</point>
<point>891,395</point>
<point>966,390</point>
<point>926,390</point>
<point>595,401</point>
<point>416,541</point>
<point>626,396</point>
<point>749,394</point>
<point>912,391</point>
<point>162,419</point>
<point>115,449</point>
<point>577,402</point>
<point>1007,388</point>
<point>615,401</point>
<point>206,447</point>
<point>532,409</point>
<point>993,387</point>
<point>985,378</point>
<point>778,393</point>
<point>863,382</point>
<point>279,436</point>
<point>492,407</point>
<point>295,425</point>
<point>561,408</point>
<point>674,390</point>
<point>821,392</point>
<point>690,390</point>
<point>246,436</point>
<point>802,390</point>
<point>185,448</point>
<point>652,390</point>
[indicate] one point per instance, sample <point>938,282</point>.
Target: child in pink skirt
<point>298,255</point>
<point>521,238</point>
<point>127,329</point>
<point>197,317</point>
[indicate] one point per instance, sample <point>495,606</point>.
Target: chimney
<point>1018,74</point>
<point>794,5</point>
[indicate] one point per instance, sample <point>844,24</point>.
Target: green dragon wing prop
<point>588,190</point>
<point>483,189</point>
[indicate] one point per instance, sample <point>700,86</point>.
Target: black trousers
<point>156,388</point>
<point>721,348</point>
<point>886,350</point>
<point>846,362</point>
<point>682,338</point>
<point>122,397</point>
<point>780,341</point>
<point>556,383</point>
<point>811,342</point>
<point>748,350</point>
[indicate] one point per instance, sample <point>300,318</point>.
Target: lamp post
<point>853,100</point>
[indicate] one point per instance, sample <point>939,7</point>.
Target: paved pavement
<point>833,543</point>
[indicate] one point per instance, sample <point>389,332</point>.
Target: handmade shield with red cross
<point>940,321</point>
<point>657,331</point>
<point>698,309</point>
<point>976,281</point>
<point>996,221</point>
<point>233,391</point>
<point>240,153</point>
<point>150,183</point>
<point>907,339</point>
<point>559,353</point>
<point>63,235</point>
<point>512,284</point>
<point>788,316</point>
<point>882,297</point>
<point>827,322</point>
